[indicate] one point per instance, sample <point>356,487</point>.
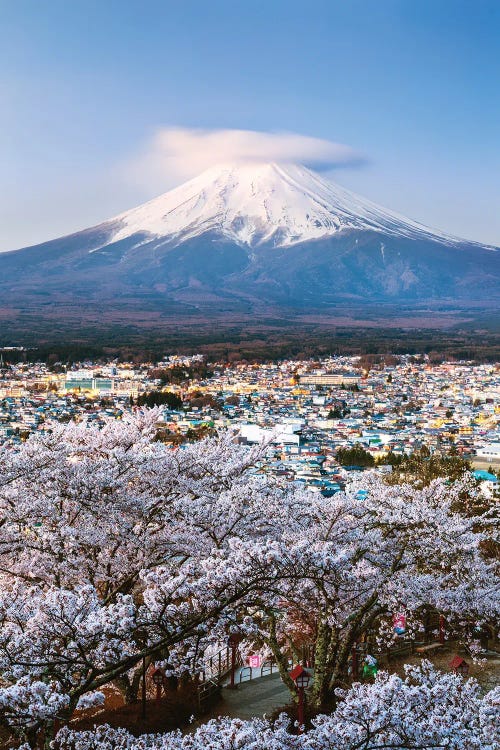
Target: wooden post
<point>441,629</point>
<point>233,641</point>
<point>144,687</point>
<point>301,710</point>
<point>233,665</point>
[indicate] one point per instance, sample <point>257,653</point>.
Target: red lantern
<point>459,666</point>
<point>158,678</point>
<point>301,677</point>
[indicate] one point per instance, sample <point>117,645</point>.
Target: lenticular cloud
<point>180,153</point>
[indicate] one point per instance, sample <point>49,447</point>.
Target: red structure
<point>158,678</point>
<point>233,641</point>
<point>459,665</point>
<point>301,678</point>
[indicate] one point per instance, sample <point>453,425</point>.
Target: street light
<point>157,678</point>
<point>170,682</point>
<point>301,677</point>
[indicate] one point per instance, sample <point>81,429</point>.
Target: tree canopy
<point>159,398</point>
<point>115,547</point>
<point>355,456</point>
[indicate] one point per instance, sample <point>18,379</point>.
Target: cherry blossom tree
<point>359,561</point>
<point>115,548</point>
<point>424,711</point>
<point>97,506</point>
<point>427,709</point>
<point>93,523</point>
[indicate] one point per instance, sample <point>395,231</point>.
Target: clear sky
<point>90,90</point>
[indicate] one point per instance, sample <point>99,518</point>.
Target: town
<point>249,376</point>
<point>319,419</point>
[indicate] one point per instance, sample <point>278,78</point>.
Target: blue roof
<point>361,494</point>
<point>484,476</point>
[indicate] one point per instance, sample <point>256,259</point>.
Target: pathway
<point>252,698</point>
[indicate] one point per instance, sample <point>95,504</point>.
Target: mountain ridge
<point>254,203</point>
<point>250,239</point>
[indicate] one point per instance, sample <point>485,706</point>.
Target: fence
<point>218,666</point>
<point>207,692</point>
<point>245,674</point>
<point>267,668</point>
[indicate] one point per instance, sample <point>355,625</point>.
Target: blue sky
<point>87,87</point>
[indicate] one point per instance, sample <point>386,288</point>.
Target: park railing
<point>208,691</point>
<point>218,666</point>
<point>245,674</point>
<point>267,668</point>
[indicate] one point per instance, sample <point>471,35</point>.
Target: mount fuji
<point>251,238</point>
<point>263,204</point>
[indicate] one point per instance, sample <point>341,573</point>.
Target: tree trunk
<point>30,736</point>
<point>359,625</point>
<point>322,668</point>
<point>130,686</point>
<point>48,734</point>
<point>281,660</point>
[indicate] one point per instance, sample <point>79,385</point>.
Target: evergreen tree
<point>355,456</point>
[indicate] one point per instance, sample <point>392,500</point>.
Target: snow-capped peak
<point>253,204</point>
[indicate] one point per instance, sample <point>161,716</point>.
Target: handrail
<point>267,666</point>
<point>246,670</point>
<point>218,666</point>
<point>206,690</point>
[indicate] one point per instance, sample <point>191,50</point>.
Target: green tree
<point>160,398</point>
<point>421,468</point>
<point>355,456</point>
<point>335,413</point>
<point>391,459</point>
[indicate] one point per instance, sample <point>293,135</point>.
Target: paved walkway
<point>253,698</point>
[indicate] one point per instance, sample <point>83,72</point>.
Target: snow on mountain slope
<point>256,204</point>
<point>249,239</point>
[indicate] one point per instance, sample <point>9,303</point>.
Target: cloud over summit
<point>176,154</point>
